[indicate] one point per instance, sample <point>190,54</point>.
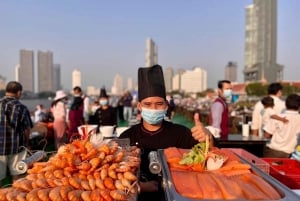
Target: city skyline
<point>103,39</point>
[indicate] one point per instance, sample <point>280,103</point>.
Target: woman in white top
<point>58,109</point>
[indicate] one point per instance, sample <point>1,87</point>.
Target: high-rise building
<point>261,42</point>
<point>2,82</point>
<point>194,81</point>
<point>76,78</point>
<point>117,87</point>
<point>176,80</point>
<point>151,53</point>
<point>92,91</point>
<point>56,77</point>
<point>17,72</point>
<point>45,71</point>
<point>168,74</point>
<point>231,71</point>
<point>26,73</point>
<point>130,84</point>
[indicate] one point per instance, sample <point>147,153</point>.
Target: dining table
<point>252,143</point>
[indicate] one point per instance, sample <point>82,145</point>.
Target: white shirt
<point>86,105</point>
<point>279,107</point>
<point>284,135</point>
<point>266,115</point>
<point>38,115</point>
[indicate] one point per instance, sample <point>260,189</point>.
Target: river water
<point>31,103</point>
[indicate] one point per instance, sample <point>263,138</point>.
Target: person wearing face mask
<point>105,115</point>
<point>59,111</point>
<point>219,114</point>
<point>153,132</point>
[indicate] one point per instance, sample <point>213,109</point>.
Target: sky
<point>105,38</point>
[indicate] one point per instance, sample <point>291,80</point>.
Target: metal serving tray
<point>172,195</point>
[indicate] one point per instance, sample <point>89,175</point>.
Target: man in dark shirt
<point>15,125</point>
<point>105,115</point>
<point>153,132</point>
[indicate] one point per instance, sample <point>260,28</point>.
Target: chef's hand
<point>149,186</point>
<point>199,131</point>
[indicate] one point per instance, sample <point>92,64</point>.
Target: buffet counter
<point>171,193</point>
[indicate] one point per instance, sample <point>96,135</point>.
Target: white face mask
<point>103,102</point>
<point>227,93</point>
<point>153,117</point>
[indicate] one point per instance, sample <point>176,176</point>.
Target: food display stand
<point>172,195</point>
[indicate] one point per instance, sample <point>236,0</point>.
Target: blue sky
<point>103,38</point>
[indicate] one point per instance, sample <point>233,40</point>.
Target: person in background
<point>15,126</point>
<point>86,108</point>
<point>94,107</point>
<point>275,92</point>
<point>127,103</point>
<point>39,113</point>
<point>283,135</point>
<point>40,117</point>
<point>210,97</point>
<point>268,112</point>
<point>219,112</point>
<point>120,108</point>
<point>171,107</point>
<point>105,115</point>
<point>76,111</point>
<point>58,109</point>
<point>153,132</point>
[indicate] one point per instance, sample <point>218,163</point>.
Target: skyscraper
<point>261,42</point>
<point>151,53</point>
<point>76,78</point>
<point>231,71</point>
<point>45,71</point>
<point>168,74</point>
<point>176,80</point>
<point>194,81</point>
<point>56,77</point>
<point>117,87</point>
<point>17,72</point>
<point>130,84</point>
<point>26,73</point>
<point>2,82</point>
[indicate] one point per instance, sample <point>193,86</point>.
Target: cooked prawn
<point>94,162</point>
<point>109,183</point>
<point>118,195</point>
<point>130,176</point>
<point>54,194</point>
<point>21,196</point>
<point>64,190</point>
<point>43,194</point>
<point>75,195</point>
<point>33,195</point>
<point>74,182</point>
<point>85,195</point>
<point>105,194</point>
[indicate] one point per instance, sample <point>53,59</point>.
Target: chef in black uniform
<point>154,132</point>
<point>105,115</point>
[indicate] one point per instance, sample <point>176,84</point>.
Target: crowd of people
<point>272,118</point>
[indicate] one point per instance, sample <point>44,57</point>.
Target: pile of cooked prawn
<point>80,171</point>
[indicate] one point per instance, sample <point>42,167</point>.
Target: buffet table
<point>171,193</point>
<point>252,143</point>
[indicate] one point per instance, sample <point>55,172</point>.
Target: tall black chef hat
<point>151,82</point>
<point>103,93</point>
